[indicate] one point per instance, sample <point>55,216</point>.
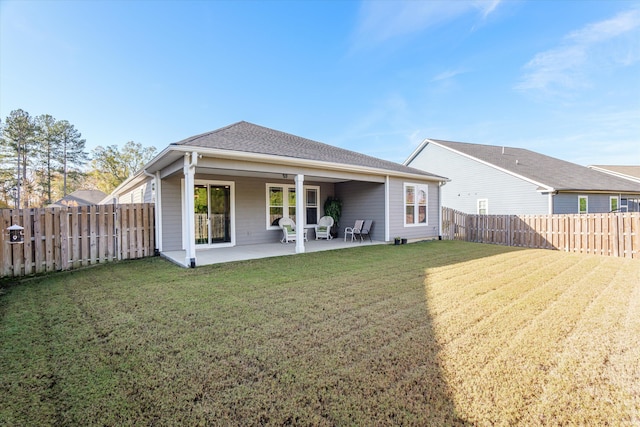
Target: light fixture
<point>285,176</point>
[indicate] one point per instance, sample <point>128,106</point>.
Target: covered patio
<point>245,252</point>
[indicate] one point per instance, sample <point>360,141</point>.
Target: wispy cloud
<point>613,42</point>
<point>447,75</point>
<point>380,21</point>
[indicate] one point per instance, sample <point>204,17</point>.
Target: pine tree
<point>71,150</point>
<point>18,139</point>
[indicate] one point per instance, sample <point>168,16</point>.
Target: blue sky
<point>558,77</point>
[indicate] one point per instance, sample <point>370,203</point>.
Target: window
<point>312,206</point>
<point>583,204</point>
<point>613,203</point>
<point>276,204</point>
<point>415,202</point>
<point>281,202</point>
<point>483,206</point>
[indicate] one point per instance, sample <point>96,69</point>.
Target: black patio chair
<point>366,230</point>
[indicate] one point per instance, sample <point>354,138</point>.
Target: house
<point>489,179</point>
<point>80,198</point>
<point>230,187</point>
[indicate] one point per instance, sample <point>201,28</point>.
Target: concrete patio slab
<point>240,253</point>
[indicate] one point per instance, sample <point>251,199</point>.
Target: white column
<point>300,213</point>
<point>190,161</point>
<point>158,182</point>
<point>387,222</point>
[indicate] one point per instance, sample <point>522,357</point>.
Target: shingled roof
<point>250,138</point>
<point>547,171</point>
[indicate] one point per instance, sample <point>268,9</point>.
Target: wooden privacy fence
<point>66,238</point>
<point>609,234</point>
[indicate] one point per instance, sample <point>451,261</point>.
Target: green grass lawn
<point>434,333</point>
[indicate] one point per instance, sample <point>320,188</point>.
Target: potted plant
<point>333,208</point>
<point>404,241</point>
<point>397,240</point>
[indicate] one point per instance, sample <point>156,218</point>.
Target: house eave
<point>174,152</point>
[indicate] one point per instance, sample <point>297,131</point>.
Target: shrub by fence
<point>610,234</point>
<point>66,238</point>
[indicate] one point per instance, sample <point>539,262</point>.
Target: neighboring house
<point>231,186</point>
<point>630,172</point>
<point>80,198</point>
<point>490,179</point>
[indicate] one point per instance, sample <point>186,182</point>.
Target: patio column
<point>300,213</point>
<point>190,162</point>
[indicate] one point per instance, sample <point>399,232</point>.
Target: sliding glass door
<point>212,208</point>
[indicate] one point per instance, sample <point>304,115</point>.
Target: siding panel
<point>472,180</point>
<point>362,200</point>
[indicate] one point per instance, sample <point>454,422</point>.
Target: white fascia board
<point>291,161</point>
<point>416,151</point>
<point>545,188</point>
<point>129,183</point>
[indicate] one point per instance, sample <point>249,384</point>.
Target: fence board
<point>5,249</point>
<point>49,236</point>
<point>615,234</point>
<point>65,238</point>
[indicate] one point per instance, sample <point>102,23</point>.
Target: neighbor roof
<point>250,138</point>
<point>80,198</point>
<point>624,171</point>
<point>547,171</point>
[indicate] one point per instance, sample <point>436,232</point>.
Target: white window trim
<point>285,207</point>
<point>617,199</point>
<point>486,203</point>
<point>587,207</point>
<point>232,186</point>
<point>416,212</point>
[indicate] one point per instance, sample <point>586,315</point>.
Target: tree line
<point>43,159</point>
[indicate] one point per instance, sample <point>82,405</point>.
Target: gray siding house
<point>229,187</point>
<point>489,179</point>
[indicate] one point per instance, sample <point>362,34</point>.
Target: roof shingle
<point>549,171</point>
<point>250,138</point>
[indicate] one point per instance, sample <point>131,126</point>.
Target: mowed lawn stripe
<point>520,343</point>
<point>484,314</point>
<point>501,265</point>
<point>598,358</point>
<point>530,351</point>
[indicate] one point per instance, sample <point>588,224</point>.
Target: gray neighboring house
<point>80,198</point>
<point>230,186</point>
<point>491,179</point>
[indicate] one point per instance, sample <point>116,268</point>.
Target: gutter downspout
<point>440,185</point>
<point>190,162</point>
<point>157,212</point>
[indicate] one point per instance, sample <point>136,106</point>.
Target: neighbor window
<point>583,204</point>
<point>483,206</point>
<point>613,203</point>
<point>415,203</point>
<point>281,202</point>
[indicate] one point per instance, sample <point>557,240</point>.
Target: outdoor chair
<point>353,231</point>
<point>323,229</point>
<point>289,230</point>
<point>366,230</point>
